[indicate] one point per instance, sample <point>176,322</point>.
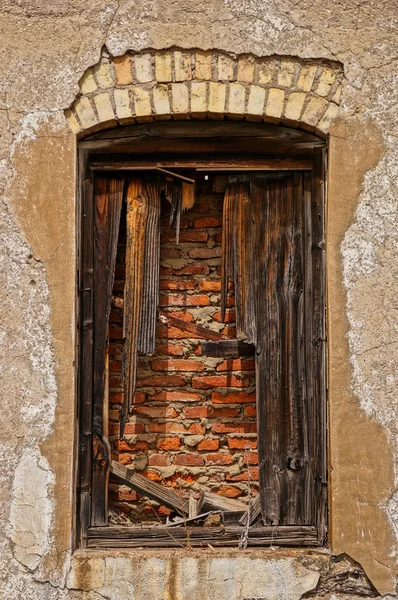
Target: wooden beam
<point>227,349</point>
<point>208,164</point>
<point>148,488</point>
<point>197,330</point>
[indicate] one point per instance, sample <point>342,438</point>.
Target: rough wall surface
<point>46,48</point>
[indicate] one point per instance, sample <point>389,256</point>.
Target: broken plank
<point>252,512</point>
<point>213,501</point>
<point>203,332</point>
<point>227,349</point>
<point>148,488</point>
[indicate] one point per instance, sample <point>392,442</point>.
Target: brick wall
<point>193,425</point>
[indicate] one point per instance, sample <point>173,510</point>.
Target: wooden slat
<point>108,198</point>
<point>251,515</point>
<point>208,164</point>
<point>162,537</point>
<point>213,501</point>
<point>197,330</point>
<point>227,349</point>
<point>148,488</point>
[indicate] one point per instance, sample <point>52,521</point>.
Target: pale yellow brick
<point>295,105</point>
<point>287,69</point>
<point>72,121</point>
<point>266,69</point>
<point>337,95</point>
<point>306,78</point>
<point>87,83</point>
<point>255,105</point>
<point>104,107</point>
<point>180,97</point>
<point>182,66</point>
<point>236,103</point>
<point>217,93</point>
<point>198,98</point>
<point>104,75</point>
<point>246,69</point>
<point>142,102</point>
<point>163,67</point>
<point>203,65</point>
<point>123,72</point>
<point>275,101</point>
<point>161,99</point>
<point>314,110</point>
<point>85,112</point>
<point>143,68</point>
<point>225,68</point>
<point>328,118</point>
<point>122,103</point>
<point>325,82</point>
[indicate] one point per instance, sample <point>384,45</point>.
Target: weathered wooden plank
<point>162,537</point>
<point>218,163</point>
<point>108,198</point>
<point>213,501</point>
<point>227,349</point>
<point>197,330</point>
<point>254,511</point>
<point>148,488</point>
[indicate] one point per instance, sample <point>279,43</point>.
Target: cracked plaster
<point>46,48</point>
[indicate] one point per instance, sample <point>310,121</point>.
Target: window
<point>271,240</point>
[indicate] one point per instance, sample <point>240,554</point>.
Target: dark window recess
<point>273,252</point>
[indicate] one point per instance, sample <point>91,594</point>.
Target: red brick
<point>251,458</point>
<point>228,491</point>
<point>218,458</point>
<point>171,284</point>
<point>213,381</point>
<point>238,364</point>
<point>230,316</point>
<point>128,495</point>
<point>185,315</point>
<point>244,476</point>
<point>201,205</point>
<point>161,381</point>
<point>130,428</point>
<point>229,332</point>
<point>188,270</point>
<point>234,398</point>
<point>159,460</point>
<point>164,511</point>
<point>169,333</point>
<point>176,396</point>
<point>185,236</point>
<point>173,443</point>
<point>205,252</point>
<point>183,300</point>
<point>115,317</point>
<point>170,349</point>
<point>220,413</point>
<point>209,286</point>
<point>151,475</point>
<point>157,412</point>
<point>241,443</point>
<point>116,398</point>
<point>170,364</point>
<point>249,411</point>
<point>204,222</point>
<point>196,412</point>
<point>115,333</point>
<point>139,397</point>
<point>125,459</point>
<point>115,365</point>
<point>169,253</point>
<point>194,460</point>
<point>166,428</point>
<point>196,429</point>
<point>208,445</point>
<point>234,428</point>
<point>133,447</point>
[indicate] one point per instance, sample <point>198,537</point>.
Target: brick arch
<point>195,84</point>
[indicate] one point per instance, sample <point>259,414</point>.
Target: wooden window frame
<point>122,150</point>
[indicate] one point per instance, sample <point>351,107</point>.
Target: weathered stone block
<point>163,67</point>
<point>226,66</point>
<point>246,66</point>
<point>198,98</point>
<point>328,118</point>
<point>143,68</point>
<point>203,65</point>
<point>87,83</point>
<point>236,104</point>
<point>72,121</point>
<point>123,69</point>
<point>314,110</point>
<point>217,93</point>
<point>161,99</point>
<point>180,97</point>
<point>275,101</point>
<point>266,70</point>
<point>122,104</point>
<point>287,69</point>
<point>182,66</point>
<point>306,77</point>
<point>104,75</point>
<point>85,112</point>
<point>104,107</point>
<point>295,105</point>
<point>142,102</point>
<point>325,82</point>
<point>256,101</point>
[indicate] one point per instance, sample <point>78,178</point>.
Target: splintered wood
<point>272,250</point>
<point>141,291</point>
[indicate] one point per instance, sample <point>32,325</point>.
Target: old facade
<point>68,72</point>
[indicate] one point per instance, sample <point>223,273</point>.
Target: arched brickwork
<point>184,84</point>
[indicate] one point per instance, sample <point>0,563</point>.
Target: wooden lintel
<point>196,330</point>
<point>227,349</point>
<point>209,164</point>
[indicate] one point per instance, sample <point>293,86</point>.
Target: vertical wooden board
<point>282,418</point>
<point>85,352</point>
<point>108,198</point>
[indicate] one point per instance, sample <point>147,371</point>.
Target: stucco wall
<point>46,48</point>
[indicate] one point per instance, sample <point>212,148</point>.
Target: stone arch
<point>196,84</point>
